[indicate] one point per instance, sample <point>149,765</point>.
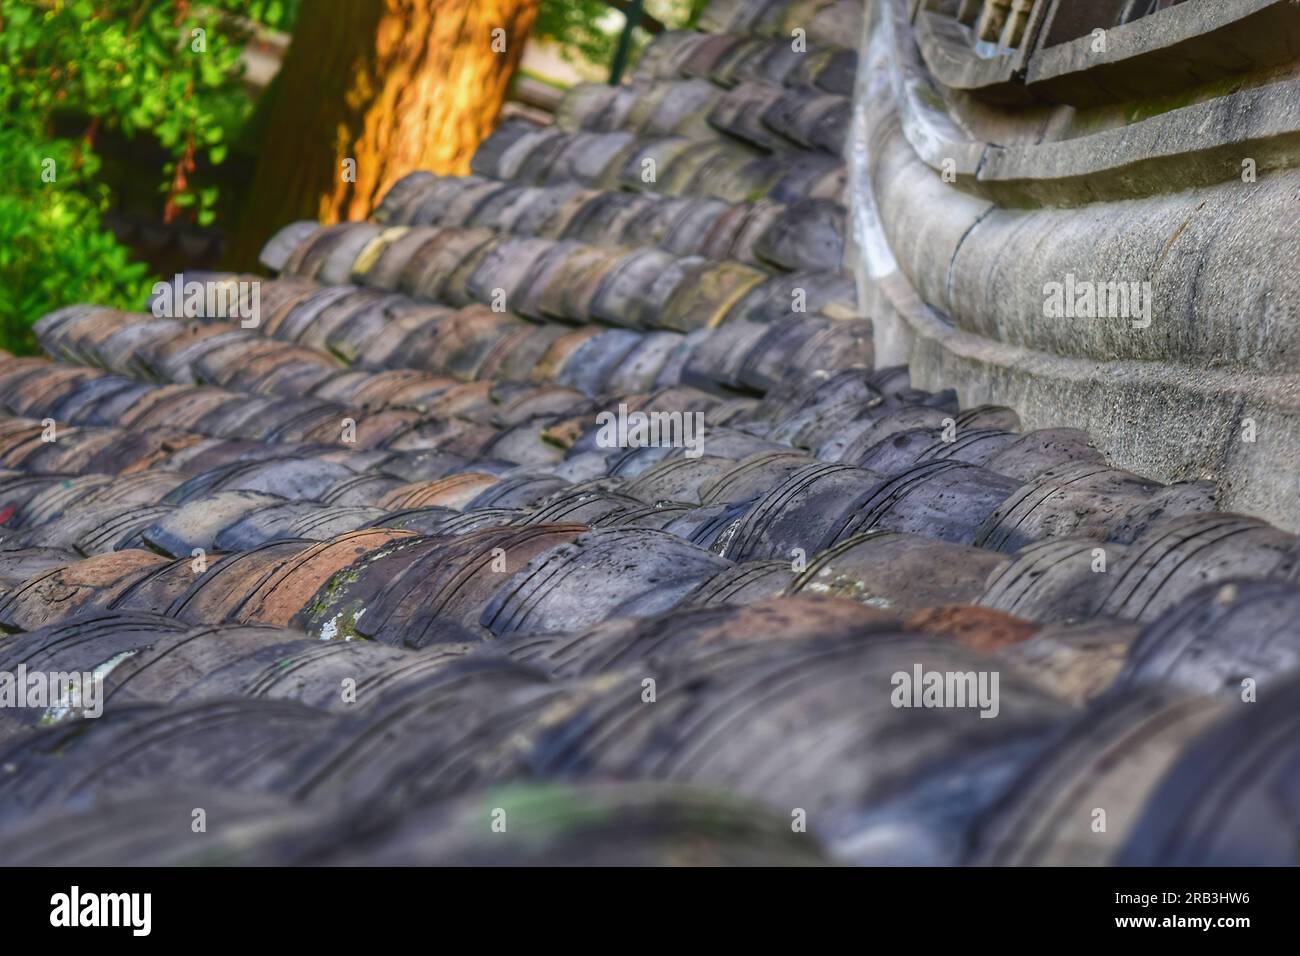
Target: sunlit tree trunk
<point>371,90</point>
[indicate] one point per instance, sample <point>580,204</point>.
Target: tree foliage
<point>71,70</point>
<point>53,248</point>
<point>589,29</point>
<point>165,71</point>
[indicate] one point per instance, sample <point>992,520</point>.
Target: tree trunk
<point>394,85</point>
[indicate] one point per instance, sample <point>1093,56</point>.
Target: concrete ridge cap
<point>1246,118</point>
<point>864,227</point>
<point>1177,24</point>
<point>1283,390</point>
<point>1198,128</point>
<point>879,223</point>
<point>1016,72</point>
<point>949,61</point>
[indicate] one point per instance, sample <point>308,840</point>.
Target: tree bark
<point>396,86</point>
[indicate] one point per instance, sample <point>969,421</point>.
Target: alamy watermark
<point>922,688</point>
<point>61,694</point>
<point>212,299</point>
<point>651,430</point>
<point>1084,299</point>
<point>130,910</point>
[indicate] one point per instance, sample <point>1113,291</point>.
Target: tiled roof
<point>381,555</point>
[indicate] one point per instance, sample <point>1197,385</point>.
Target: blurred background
<point>142,137</point>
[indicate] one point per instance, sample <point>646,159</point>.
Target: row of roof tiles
<point>807,236</point>
<point>541,278</point>
<point>498,581</point>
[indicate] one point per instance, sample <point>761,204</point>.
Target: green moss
<point>1156,106</point>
